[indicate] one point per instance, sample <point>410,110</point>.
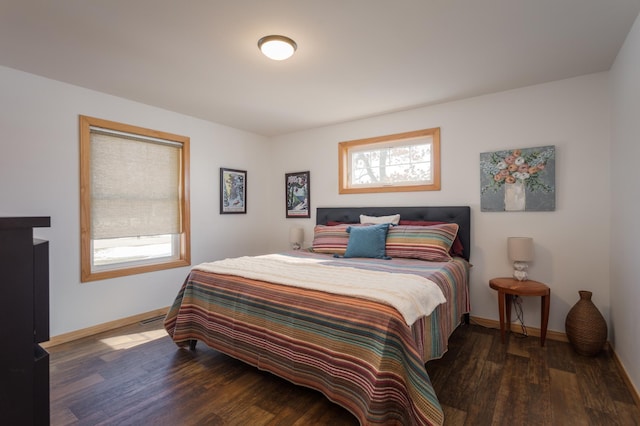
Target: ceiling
<point>355,58</point>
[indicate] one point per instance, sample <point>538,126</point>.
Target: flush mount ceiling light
<point>277,47</point>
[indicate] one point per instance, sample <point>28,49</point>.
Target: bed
<point>362,353</point>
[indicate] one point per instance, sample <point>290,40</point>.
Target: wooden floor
<point>137,376</point>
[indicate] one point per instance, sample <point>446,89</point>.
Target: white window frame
<point>349,148</point>
<point>180,252</point>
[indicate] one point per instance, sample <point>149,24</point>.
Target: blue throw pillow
<point>367,241</point>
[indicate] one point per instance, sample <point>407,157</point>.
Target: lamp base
<point>520,276</point>
<point>520,271</point>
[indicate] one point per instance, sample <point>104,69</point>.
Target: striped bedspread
<point>360,353</point>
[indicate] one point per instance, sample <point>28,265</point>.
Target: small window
<point>134,200</point>
<point>394,163</point>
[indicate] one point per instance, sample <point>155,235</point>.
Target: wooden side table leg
<point>508,299</point>
<point>501,297</point>
<point>544,317</point>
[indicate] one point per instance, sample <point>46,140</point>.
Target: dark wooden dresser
<point>24,322</point>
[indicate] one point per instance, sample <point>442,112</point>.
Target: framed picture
<point>518,180</point>
<point>233,191</point>
<point>298,194</point>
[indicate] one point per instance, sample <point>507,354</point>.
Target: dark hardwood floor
<point>137,376</point>
<point>481,381</point>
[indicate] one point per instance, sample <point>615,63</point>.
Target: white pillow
<point>394,219</point>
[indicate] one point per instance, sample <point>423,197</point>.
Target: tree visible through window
<point>401,162</point>
<point>134,199</point>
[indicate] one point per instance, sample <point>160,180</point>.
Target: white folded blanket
<point>412,295</point>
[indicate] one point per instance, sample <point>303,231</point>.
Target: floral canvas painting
<point>518,180</point>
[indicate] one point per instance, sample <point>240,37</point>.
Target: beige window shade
<point>135,186</point>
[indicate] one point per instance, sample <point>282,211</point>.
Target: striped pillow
<point>330,239</point>
<point>422,242</point>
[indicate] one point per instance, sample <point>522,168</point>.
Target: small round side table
<point>509,287</point>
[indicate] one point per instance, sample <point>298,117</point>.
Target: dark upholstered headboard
<point>457,214</point>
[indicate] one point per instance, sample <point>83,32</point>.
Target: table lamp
<point>296,237</point>
<point>520,250</point>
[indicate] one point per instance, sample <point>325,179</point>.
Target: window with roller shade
<point>134,199</point>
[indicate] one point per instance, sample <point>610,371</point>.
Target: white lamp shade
<point>277,47</point>
<point>296,235</point>
<point>520,249</point>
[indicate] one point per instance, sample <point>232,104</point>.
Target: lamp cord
<point>517,307</point>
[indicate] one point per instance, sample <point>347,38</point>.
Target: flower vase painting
<point>517,180</point>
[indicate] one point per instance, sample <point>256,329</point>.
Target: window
<point>134,200</point>
<point>394,163</point>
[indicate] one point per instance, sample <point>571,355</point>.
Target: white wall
<point>39,165</point>
<point>625,204</point>
<point>39,176</point>
<point>570,243</point>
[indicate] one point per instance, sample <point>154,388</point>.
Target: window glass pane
<point>391,165</point>
<point>402,162</point>
<point>132,249</point>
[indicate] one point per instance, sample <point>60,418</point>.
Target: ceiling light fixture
<point>277,47</point>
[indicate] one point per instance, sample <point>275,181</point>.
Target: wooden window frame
<point>343,162</point>
<point>184,255</point>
